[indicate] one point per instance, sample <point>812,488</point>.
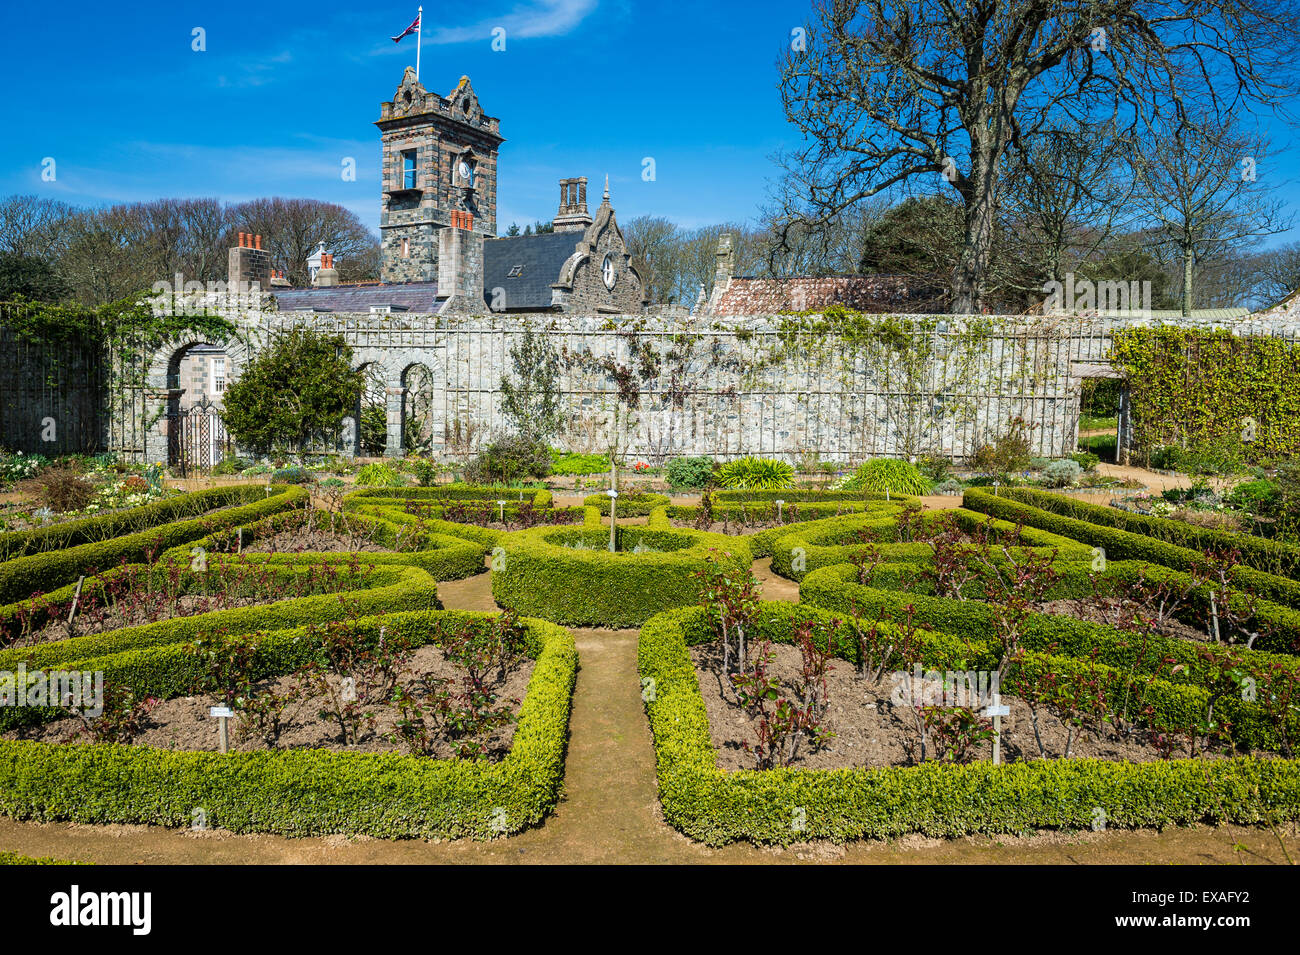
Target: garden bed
<point>871,731</point>
<point>184,723</point>
<point>938,798</point>
<point>305,790</point>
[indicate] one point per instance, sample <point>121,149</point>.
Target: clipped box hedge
<point>304,792</point>
<point>37,573</point>
<point>936,799</point>
<point>535,574</point>
<point>836,589</point>
<point>90,530</point>
<point>806,495</point>
<point>630,504</point>
<point>805,547</point>
<point>387,589</point>
<point>540,497</point>
<point>445,555</point>
<point>1273,557</point>
<point>1121,544</point>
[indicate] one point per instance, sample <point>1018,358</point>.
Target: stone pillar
<point>723,269</point>
<point>393,447</point>
<point>1124,433</point>
<point>156,403</point>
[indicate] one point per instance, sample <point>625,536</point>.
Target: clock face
<point>607,271</point>
<point>466,173</point>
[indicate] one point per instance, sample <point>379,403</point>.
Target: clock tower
<point>439,172</point>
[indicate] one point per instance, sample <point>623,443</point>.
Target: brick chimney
<point>573,215</point>
<point>249,263</point>
<point>326,275</point>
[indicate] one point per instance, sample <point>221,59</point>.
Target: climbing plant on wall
<point>1198,388</point>
<point>924,366</point>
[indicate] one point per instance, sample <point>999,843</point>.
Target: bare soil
<point>300,540</point>
<point>183,723</point>
<point>1106,610</point>
<point>117,618</point>
<point>872,732</point>
<point>734,528</point>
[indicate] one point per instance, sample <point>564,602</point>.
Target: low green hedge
<point>630,504</point>
<point>251,580</point>
<point>935,799</point>
<point>1270,556</point>
<point>38,573</point>
<point>539,577</point>
<point>90,530</point>
<point>541,497</point>
<point>304,792</point>
<point>386,589</point>
<point>806,547</point>
<point>836,589</point>
<point>809,495</point>
<point>395,514</point>
<point>13,858</point>
<point>444,555</point>
<point>1278,626</point>
<point>1125,545</point>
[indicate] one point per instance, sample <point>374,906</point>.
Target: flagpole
<point>419,26</point>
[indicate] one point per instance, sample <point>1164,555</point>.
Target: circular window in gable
<point>607,271</point>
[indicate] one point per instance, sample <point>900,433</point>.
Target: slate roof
<point>541,258</point>
<point>408,297</point>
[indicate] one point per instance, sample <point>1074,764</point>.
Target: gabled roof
<point>406,297</point>
<point>538,260</point>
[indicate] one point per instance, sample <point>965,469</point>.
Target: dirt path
<point>609,812</point>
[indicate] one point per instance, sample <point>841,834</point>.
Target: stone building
<point>439,252</point>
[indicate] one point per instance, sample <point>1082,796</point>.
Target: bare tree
<point>654,243</point>
<point>293,228</point>
<point>1198,183</point>
<point>31,225</point>
<point>888,93</point>
<point>1066,193</point>
<point>1277,274</point>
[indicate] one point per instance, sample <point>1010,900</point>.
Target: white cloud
<point>542,18</point>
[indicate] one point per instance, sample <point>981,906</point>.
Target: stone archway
<point>419,433</point>
<point>372,411</point>
<point>179,378</point>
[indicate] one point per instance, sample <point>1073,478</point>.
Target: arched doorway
<point>417,409</point>
<point>197,375</point>
<point>372,412</point>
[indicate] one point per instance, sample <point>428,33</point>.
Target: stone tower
<point>439,172</point>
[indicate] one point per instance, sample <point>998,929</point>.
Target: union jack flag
<point>415,25</point>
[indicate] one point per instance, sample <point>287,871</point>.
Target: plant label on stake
<point>501,509</point>
<point>997,711</point>
<point>613,498</point>
<point>222,714</point>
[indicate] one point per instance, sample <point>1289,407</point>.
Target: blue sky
<point>128,111</point>
<point>116,95</point>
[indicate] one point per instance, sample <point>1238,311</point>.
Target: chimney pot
<point>241,240</point>
<point>258,239</point>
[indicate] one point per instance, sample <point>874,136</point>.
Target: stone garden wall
<point>661,385</point>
